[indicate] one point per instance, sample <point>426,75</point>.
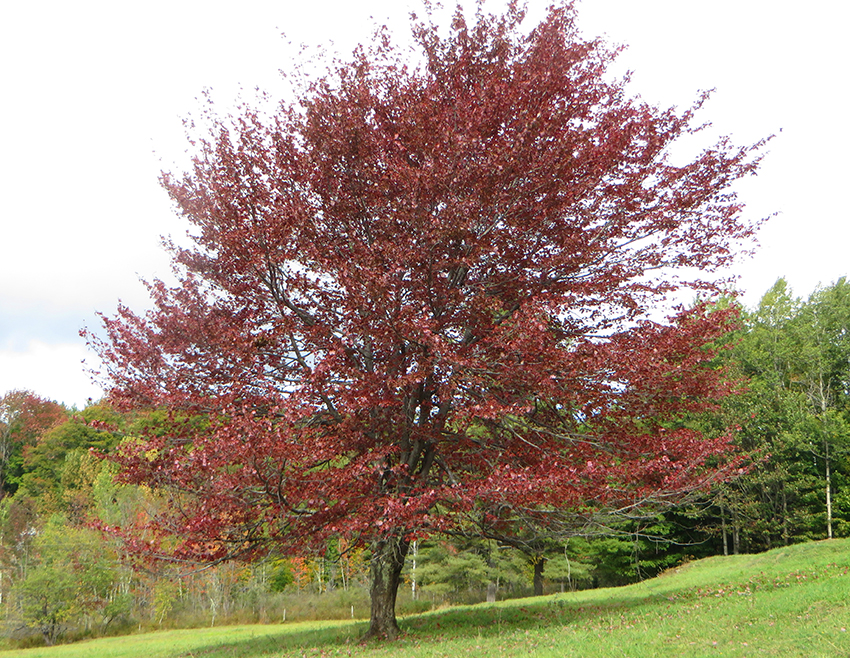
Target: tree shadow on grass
<point>550,611</point>
<point>481,619</point>
<point>286,640</point>
<point>585,609</point>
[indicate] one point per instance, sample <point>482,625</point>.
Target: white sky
<point>93,93</point>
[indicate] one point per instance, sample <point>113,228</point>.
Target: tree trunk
<point>786,537</point>
<point>413,592</point>
<point>539,565</point>
<point>828,492</point>
<point>736,536</point>
<point>491,592</point>
<point>386,565</point>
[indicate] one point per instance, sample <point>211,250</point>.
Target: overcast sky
<point>93,93</point>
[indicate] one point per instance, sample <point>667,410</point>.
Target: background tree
<point>59,468</point>
<point>421,295</point>
<point>24,416</point>
<point>444,570</point>
<point>822,372</point>
<point>72,578</point>
<point>792,423</point>
<point>465,571</point>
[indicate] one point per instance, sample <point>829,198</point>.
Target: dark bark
<point>736,535</point>
<point>539,565</point>
<point>387,561</point>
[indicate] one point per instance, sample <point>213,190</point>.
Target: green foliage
<point>118,607</point>
<point>73,575</point>
<point>280,577</point>
<point>791,421</point>
<point>443,570</point>
<point>24,417</point>
<point>508,569</point>
<point>165,593</point>
<point>570,567</point>
<point>796,356</point>
<point>47,599</point>
<point>60,469</point>
<point>113,503</point>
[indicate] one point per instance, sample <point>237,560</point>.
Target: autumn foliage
<point>420,300</point>
<point>24,417</point>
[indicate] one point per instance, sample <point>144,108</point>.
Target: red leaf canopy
<point>420,296</point>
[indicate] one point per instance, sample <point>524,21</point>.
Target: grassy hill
<point>792,601</point>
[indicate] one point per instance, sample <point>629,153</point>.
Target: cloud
<point>54,371</point>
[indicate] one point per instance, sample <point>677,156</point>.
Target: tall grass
<point>787,602</point>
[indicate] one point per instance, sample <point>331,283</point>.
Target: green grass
<point>792,601</point>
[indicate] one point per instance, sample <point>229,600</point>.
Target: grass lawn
<point>791,601</point>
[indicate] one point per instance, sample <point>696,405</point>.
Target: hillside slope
<point>791,601</point>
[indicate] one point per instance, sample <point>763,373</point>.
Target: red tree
<point>24,417</point>
<point>418,302</point>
